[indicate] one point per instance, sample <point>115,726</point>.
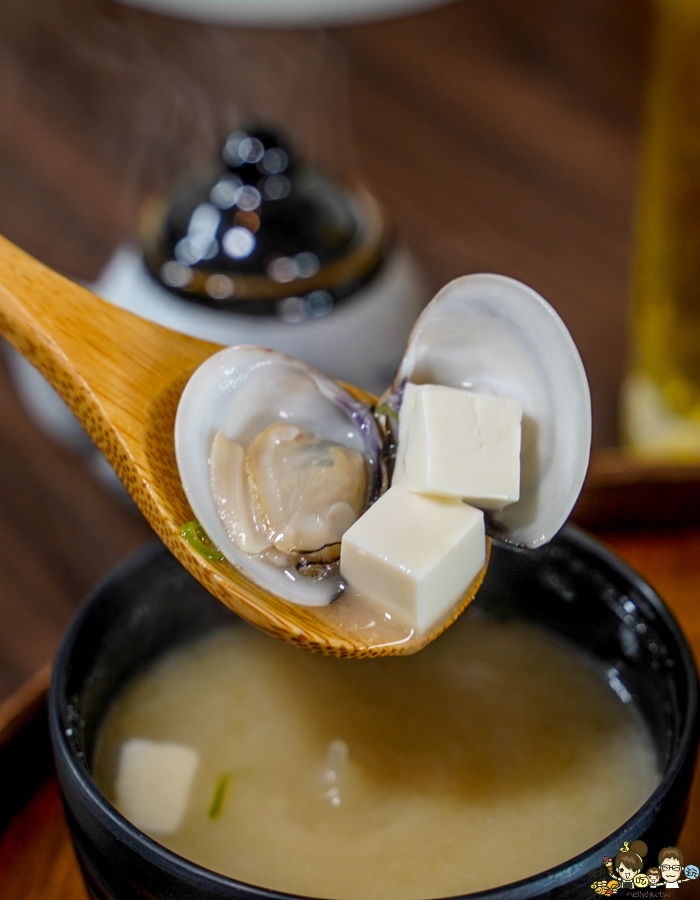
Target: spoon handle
<point>103,361</point>
<point>122,376</point>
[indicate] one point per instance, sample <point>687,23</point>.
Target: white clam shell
<point>240,391</point>
<point>493,334</point>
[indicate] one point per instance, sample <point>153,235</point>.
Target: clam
<point>492,334</point>
<point>277,460</point>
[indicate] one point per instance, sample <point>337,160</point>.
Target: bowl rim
<point>77,771</point>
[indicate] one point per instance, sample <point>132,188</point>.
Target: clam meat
<point>291,491</point>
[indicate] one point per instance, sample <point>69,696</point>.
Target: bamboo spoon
<point>122,376</point>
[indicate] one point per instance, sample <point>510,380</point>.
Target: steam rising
<point>134,101</point>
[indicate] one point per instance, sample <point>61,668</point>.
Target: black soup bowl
<point>573,587</point>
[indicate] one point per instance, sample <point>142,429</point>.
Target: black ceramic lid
<point>265,232</point>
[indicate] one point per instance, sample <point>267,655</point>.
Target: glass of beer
<point>661,396</point>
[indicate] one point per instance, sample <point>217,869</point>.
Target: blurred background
<point>497,135</point>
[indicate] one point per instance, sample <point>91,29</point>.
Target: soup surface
<point>492,755</point>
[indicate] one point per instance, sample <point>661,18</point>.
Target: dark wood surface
<point>500,135</point>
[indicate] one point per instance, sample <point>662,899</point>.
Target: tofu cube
<point>414,556</point>
<point>454,443</point>
<point>154,779</point>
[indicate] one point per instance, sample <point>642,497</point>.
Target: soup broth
<point>497,752</point>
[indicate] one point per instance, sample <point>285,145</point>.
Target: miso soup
<point>497,752</point>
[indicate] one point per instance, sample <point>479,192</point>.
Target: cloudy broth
<point>495,753</point>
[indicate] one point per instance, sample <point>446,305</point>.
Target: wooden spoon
<point>122,376</point>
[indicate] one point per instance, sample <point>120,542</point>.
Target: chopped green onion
<point>199,540</point>
<point>383,409</point>
<point>217,803</point>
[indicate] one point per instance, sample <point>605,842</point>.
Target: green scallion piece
<point>217,802</point>
<point>199,540</point>
<point>383,409</point>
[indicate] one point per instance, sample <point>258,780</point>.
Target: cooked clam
<point>291,490</point>
<point>277,462</point>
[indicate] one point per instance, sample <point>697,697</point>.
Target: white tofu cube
<point>414,556</point>
<point>454,443</point>
<point>154,779</point>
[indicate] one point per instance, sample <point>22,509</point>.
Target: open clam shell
<point>240,392</point>
<point>484,333</point>
<point>492,334</point>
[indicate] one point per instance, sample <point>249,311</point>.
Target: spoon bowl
<point>122,376</point>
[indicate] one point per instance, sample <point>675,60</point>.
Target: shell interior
<point>242,391</point>
<point>492,334</point>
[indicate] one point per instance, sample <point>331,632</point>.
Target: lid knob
<point>265,233</point>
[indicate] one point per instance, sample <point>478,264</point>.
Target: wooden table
<point>500,135</point>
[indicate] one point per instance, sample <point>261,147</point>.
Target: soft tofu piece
<point>153,783</point>
<point>455,443</point>
<point>414,556</point>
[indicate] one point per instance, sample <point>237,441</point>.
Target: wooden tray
<point>623,490</point>
<point>37,861</point>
